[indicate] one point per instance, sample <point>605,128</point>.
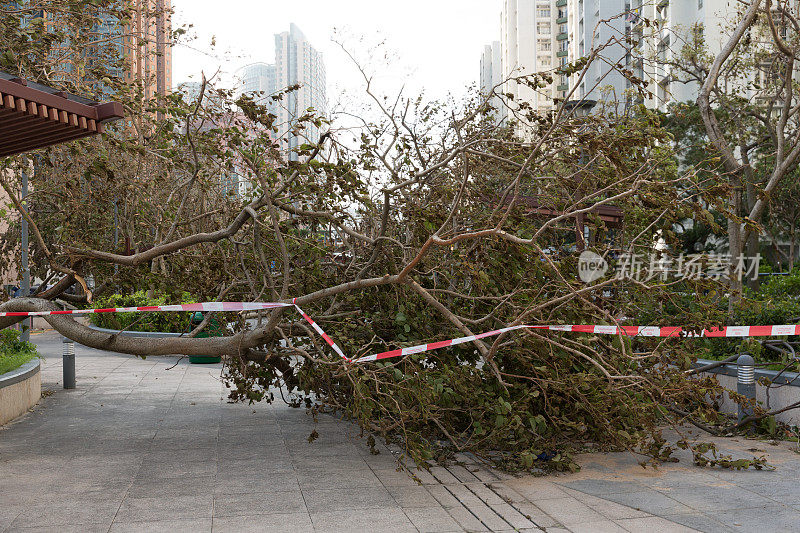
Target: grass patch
<point>13,352</point>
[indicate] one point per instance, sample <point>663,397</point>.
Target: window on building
<point>562,28</point>
<point>543,12</point>
<point>543,28</point>
<point>545,46</point>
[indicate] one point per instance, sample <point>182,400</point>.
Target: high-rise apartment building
<point>656,48</point>
<point>259,80</point>
<point>492,76</point>
<point>296,63</point>
<point>527,42</point>
<point>591,24</point>
<point>143,42</point>
<point>148,48</point>
<point>542,35</point>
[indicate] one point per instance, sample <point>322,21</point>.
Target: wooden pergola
<point>612,216</point>
<point>34,116</point>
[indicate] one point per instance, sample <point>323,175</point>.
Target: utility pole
<point>26,273</point>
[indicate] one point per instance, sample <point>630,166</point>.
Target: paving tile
<point>265,465</point>
<point>173,526</point>
<point>258,503</point>
<point>307,464</point>
<point>609,509</point>
<point>277,523</point>
<point>601,526</point>
<point>227,482</point>
<point>512,516</point>
<point>535,489</point>
<point>373,520</point>
<point>653,524</point>
<point>432,520</point>
<point>650,501</point>
<point>506,493</point>
<point>161,487</point>
<point>478,507</point>
<point>7,513</point>
<point>600,487</point>
<point>78,509</point>
<point>569,511</point>
<point>699,522</point>
<point>320,500</point>
<point>772,518</point>
<point>414,496</point>
<point>467,520</point>
<point>82,528</point>
<point>393,477</point>
<point>443,496</point>
<point>486,494</point>
<point>177,468</point>
<point>327,480</point>
<point>536,515</point>
<point>155,508</point>
<point>718,498</point>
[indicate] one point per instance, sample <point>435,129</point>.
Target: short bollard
<point>69,363</point>
<point>746,382</point>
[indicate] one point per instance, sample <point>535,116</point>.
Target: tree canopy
<point>429,222</point>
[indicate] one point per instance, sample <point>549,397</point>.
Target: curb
<point>791,379</point>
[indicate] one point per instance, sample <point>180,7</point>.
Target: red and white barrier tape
<point>322,334</point>
<point>205,306</point>
<point>629,331</point>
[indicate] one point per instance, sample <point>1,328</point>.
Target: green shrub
<point>151,321</point>
<point>777,301</point>
<point>783,287</point>
<point>14,352</point>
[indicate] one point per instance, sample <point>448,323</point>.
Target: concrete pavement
<point>148,445</point>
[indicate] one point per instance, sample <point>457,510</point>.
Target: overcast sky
<point>438,42</point>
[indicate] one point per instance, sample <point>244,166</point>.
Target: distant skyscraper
<point>190,90</point>
<point>143,42</point>
<point>541,35</point>
<point>492,76</point>
<point>259,78</point>
<point>151,57</point>
<point>296,63</point>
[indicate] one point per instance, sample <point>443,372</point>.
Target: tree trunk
<point>735,247</point>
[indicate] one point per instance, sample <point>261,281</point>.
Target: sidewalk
<point>142,447</point>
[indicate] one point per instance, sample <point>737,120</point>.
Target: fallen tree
<point>426,222</point>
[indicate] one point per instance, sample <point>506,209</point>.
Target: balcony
<point>561,37</point>
<point>561,20</point>
<point>564,87</point>
<point>561,3</point>
<point>562,53</point>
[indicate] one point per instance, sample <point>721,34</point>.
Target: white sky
<point>438,43</point>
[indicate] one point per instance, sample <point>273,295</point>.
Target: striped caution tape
<point>629,331</point>
<point>325,336</point>
<point>205,306</point>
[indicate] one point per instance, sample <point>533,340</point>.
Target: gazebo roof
<point>34,115</point>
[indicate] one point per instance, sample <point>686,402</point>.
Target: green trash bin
<point>212,330</point>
